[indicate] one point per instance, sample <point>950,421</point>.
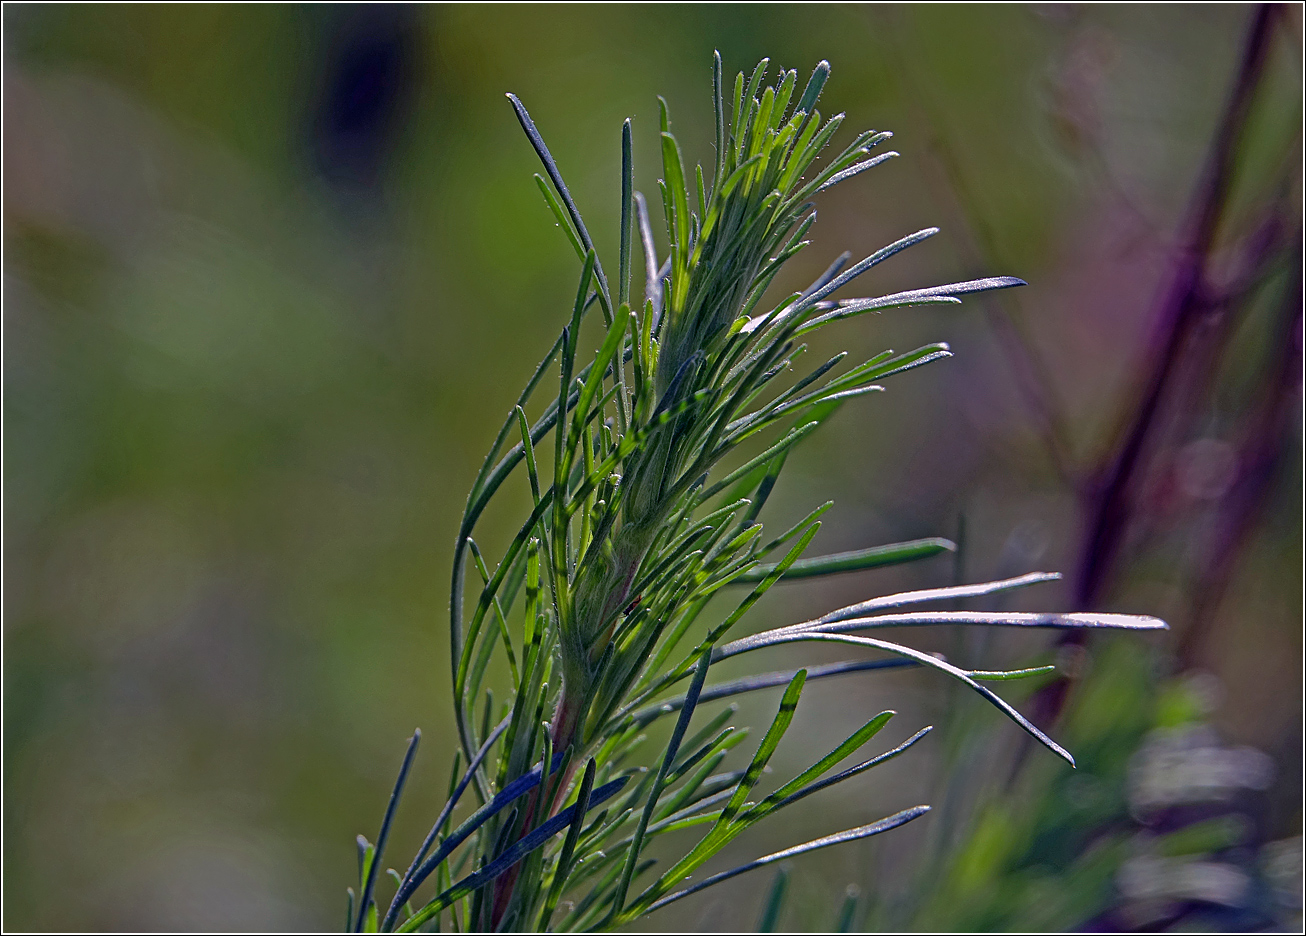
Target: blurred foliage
<point>260,262</point>
<point>1062,852</point>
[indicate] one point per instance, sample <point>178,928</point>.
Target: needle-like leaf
<point>856,560</point>
<point>839,838</point>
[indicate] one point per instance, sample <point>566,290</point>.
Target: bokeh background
<point>273,274</point>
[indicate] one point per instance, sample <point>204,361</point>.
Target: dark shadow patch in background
<point>364,90</point>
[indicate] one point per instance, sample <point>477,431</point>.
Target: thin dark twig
<point>1113,498</point>
<point>1181,306</point>
<point>1259,456</point>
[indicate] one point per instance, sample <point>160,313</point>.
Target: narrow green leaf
<point>724,829</point>
<point>861,267</point>
<point>408,907</point>
<point>708,730</point>
<point>856,560</point>
<point>749,102</point>
<point>948,293</point>
<point>528,448</point>
<point>685,795</point>
<point>673,746</point>
<point>367,908</point>
<point>950,593</point>
<point>507,796</point>
<point>851,744</point>
<point>762,123</point>
<point>560,214</point>
<point>702,193</point>
<point>456,792</point>
<point>607,352</point>
<point>770,741</point>
<point>798,159</point>
<point>652,713</point>
<point>673,167</point>
<point>814,85</point>
<point>736,127</point>
<point>1075,621</point>
<point>851,835</point>
<point>725,740</point>
<point>365,852</point>
<point>791,439</point>
<point>551,167</point>
<point>783,95</point>
<point>775,899</point>
<point>851,171</point>
<point>562,457</point>
<point>627,213</point>
<point>784,635</point>
<point>790,533</point>
<point>499,616</point>
<point>718,109</point>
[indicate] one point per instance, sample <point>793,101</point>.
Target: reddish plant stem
<point>1185,300</point>
<point>563,733</point>
<point>1112,500</point>
<point>1260,457</point>
<point>567,725</point>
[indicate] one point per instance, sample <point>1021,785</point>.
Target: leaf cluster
<point>639,520</point>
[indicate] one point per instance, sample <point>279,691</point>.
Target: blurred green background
<point>273,274</point>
